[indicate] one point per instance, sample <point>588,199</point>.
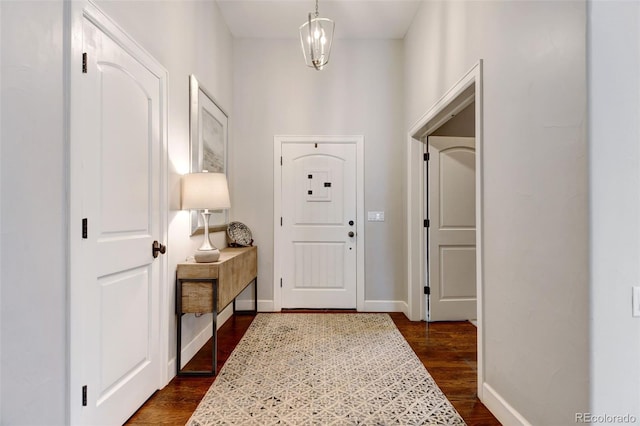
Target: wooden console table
<point>202,286</point>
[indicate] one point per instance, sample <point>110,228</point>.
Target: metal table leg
<point>255,301</point>
<point>214,337</point>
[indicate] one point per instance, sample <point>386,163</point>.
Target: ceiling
<point>355,19</point>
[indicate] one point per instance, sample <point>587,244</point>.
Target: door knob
<point>351,233</point>
<point>158,248</point>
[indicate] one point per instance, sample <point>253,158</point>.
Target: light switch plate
<point>635,299</point>
<point>375,216</point>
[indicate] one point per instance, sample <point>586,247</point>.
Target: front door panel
<point>318,201</point>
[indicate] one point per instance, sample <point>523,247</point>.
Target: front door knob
<point>158,248</point>
<point>351,233</point>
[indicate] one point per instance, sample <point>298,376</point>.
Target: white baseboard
<point>190,349</point>
<point>501,409</point>
<point>265,306</point>
<point>244,305</point>
<point>386,306</point>
<point>247,305</point>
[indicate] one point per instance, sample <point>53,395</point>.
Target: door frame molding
<point>467,89</point>
<point>75,13</point>
<point>278,142</point>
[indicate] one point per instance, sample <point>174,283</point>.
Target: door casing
<point>467,89</point>
<point>278,142</point>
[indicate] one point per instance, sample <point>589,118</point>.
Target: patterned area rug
<point>324,369</point>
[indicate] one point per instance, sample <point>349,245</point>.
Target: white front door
<point>318,225</point>
<point>120,135</point>
<point>452,229</point>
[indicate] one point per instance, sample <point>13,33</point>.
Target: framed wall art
<point>208,146</point>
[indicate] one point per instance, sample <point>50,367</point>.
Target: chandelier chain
<point>317,13</point>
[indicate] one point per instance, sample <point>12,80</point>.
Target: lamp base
<point>206,256</point>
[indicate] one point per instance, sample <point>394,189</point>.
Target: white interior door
<point>120,134</point>
<point>319,225</point>
<point>452,229</point>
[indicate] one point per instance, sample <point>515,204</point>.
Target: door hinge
<point>84,63</point>
<point>281,161</point>
<point>427,289</point>
<point>84,396</point>
<point>280,220</point>
<point>280,282</point>
<point>427,223</point>
<point>85,228</point>
<point>426,156</point>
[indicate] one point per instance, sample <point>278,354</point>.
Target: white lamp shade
<point>205,191</point>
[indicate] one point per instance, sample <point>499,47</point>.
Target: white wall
<point>614,135</point>
<point>359,93</point>
<point>535,187</point>
<point>185,37</point>
<point>34,215</point>
<point>463,124</point>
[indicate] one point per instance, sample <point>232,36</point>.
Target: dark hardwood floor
<point>447,349</point>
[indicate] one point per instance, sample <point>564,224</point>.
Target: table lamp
<point>205,191</point>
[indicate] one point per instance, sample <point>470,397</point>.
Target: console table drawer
<point>235,269</point>
<point>197,297</point>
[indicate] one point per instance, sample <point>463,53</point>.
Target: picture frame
<point>208,146</point>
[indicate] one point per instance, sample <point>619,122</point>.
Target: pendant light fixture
<point>316,36</point>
